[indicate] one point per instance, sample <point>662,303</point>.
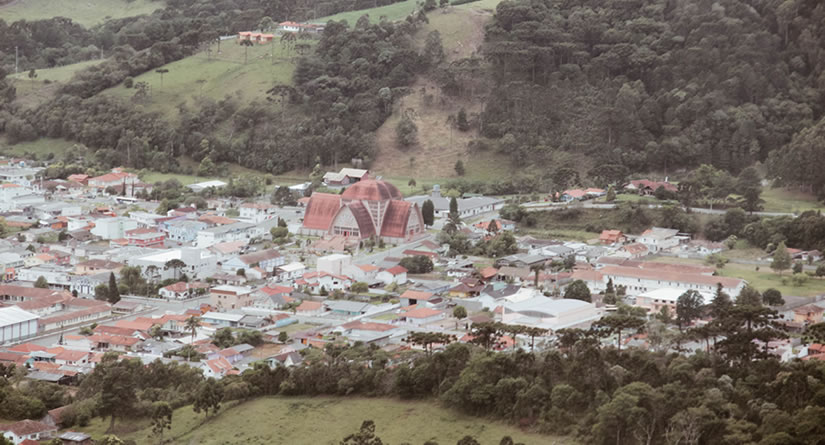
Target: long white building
<point>16,324</point>
<point>638,281</point>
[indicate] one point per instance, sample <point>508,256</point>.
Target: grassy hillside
<point>56,74</point>
<point>325,420</point>
<point>85,12</point>
<point>395,11</point>
<point>222,74</point>
<point>41,148</point>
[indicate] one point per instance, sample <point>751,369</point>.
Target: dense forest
<point>659,84</point>
<point>729,391</point>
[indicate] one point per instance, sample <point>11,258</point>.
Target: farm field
<point>322,421</point>
<point>789,201</point>
<point>393,12</point>
<point>56,74</point>
<point>84,12</point>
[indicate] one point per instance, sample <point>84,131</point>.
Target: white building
<point>113,228</point>
<point>467,207</point>
<point>397,275</point>
<point>289,272</point>
<point>20,176</point>
<point>638,281</point>
<point>256,212</point>
<point>239,231</point>
<point>200,263</point>
<point>16,324</point>
<point>335,264</point>
<point>654,300</point>
<point>657,239</point>
<point>201,186</point>
<point>550,313</point>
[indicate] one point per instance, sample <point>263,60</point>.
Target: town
<point>93,266</point>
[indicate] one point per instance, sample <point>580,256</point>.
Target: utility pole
<point>16,58</point>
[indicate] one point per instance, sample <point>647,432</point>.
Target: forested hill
<point>655,84</point>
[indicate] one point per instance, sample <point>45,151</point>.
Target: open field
<point>85,12</point>
<point>41,147</point>
<point>324,420</point>
<point>393,12</point>
<point>789,200</point>
<point>56,74</point>
<point>216,76</point>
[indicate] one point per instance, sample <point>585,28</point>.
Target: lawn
<point>789,201</point>
<point>216,76</point>
<point>325,420</point>
<point>85,12</point>
<point>56,74</point>
<point>393,12</point>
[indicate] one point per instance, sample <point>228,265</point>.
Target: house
<point>182,290</point>
<point>145,237</point>
<point>93,267</point>
<point>594,192</point>
<point>633,250</point>
<point>230,297</point>
<point>222,319</point>
<point>500,224</point>
<point>184,230</point>
<point>808,314</point>
<point>655,300</point>
<point>113,228</point>
<point>198,263</point>
<point>28,430</point>
<point>658,239</point>
<point>256,212</point>
<point>379,334</point>
<point>612,237</point>
<point>287,358</point>
<point>412,297</point>
<point>420,316</point>
<point>116,178</point>
<point>273,297</point>
<point>201,186</point>
<point>592,278</point>
<point>347,308</point>
<point>238,231</point>
<point>216,368</point>
<point>310,308</point>
<point>573,195</point>
<point>396,274</point>
<point>267,260</point>
<point>325,280</point>
<point>345,177</point>
<point>467,206</point>
<point>289,272</point>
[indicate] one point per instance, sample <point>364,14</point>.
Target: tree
<point>116,387</point>
<point>433,53</point>
<point>406,132</point>
<point>611,194</point>
<point>417,264</point>
<point>208,397</point>
<point>174,264</point>
<point>814,333</point>
<point>41,283</point>
<point>578,290</point>
<point>536,269</point>
<point>110,439</point>
<point>113,294</point>
<point>749,296</point>
<point>359,287</point>
<point>459,168</point>
<point>161,71</point>
<point>688,308</point>
<point>32,76</point>
<point>461,120</point>
<point>223,338</point>
<point>101,292</point>
<point>486,334</point>
<point>428,212</point>
<point>283,337</point>
<point>772,297</point>
<point>161,419</point>
<point>364,436</point>
<point>781,258</point>
<point>206,167</point>
<point>453,206</point>
<point>246,44</point>
<point>749,185</point>
<point>797,267</point>
<point>619,321</point>
<point>460,313</point>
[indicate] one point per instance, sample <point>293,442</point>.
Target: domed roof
<point>371,190</point>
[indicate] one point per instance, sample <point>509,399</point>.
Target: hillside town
<point>90,267</point>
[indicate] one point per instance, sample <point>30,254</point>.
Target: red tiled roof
<point>488,272</point>
<point>395,219</point>
<point>361,326</point>
<point>422,312</point>
<point>307,306</point>
<point>26,427</point>
<point>275,290</point>
<point>321,210</point>
<point>26,348</point>
<point>371,190</point>
<point>397,270</point>
<point>417,295</point>
<point>29,292</point>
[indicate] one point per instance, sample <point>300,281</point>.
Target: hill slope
<point>84,12</point>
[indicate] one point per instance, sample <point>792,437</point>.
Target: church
<point>367,208</point>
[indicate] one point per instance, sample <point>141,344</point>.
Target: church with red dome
<point>368,208</point>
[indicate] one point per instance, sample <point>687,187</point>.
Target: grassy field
<point>41,147</point>
<point>216,77</point>
<point>393,12</point>
<point>84,12</point>
<point>325,420</point>
<point>56,74</point>
<point>789,201</point>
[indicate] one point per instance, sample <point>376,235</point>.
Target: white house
<point>421,316</point>
<point>184,230</point>
<point>657,239</point>
<point>265,259</point>
<point>467,207</point>
<point>336,264</point>
<point>289,272</point>
<point>113,228</point>
<point>397,275</point>
<point>256,212</point>
<point>199,263</point>
<point>23,430</point>
<point>654,300</point>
